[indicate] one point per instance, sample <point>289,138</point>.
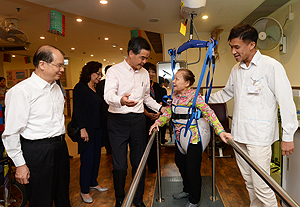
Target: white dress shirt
<point>121,79</point>
<point>255,115</point>
<point>34,109</point>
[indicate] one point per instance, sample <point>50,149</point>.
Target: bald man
<point>34,135</point>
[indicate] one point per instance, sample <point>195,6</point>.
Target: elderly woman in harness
<point>192,133</point>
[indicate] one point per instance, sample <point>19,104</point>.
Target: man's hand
<point>22,174</point>
<point>125,101</point>
<point>155,116</point>
<point>287,148</point>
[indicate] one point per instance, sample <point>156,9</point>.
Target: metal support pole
<point>159,199</point>
<point>136,179</point>
<point>213,197</point>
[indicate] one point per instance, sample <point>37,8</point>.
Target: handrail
<point>135,181</point>
<point>284,196</point>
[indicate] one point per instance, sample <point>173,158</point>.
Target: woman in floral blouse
<point>189,164</point>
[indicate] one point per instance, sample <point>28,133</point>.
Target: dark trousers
<point>90,161</point>
<point>162,133</point>
<point>152,158</point>
<point>124,129</point>
<point>189,166</point>
<point>49,166</point>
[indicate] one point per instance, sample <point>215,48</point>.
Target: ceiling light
<point>114,45</point>
<point>92,55</point>
<point>204,17</point>
<point>72,48</point>
<point>106,38</point>
<point>121,48</point>
<point>79,20</point>
<point>113,63</point>
<point>103,2</point>
<point>13,56</point>
<point>42,38</point>
<point>104,59</point>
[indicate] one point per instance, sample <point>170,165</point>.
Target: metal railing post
<point>136,179</point>
<point>159,199</point>
<point>213,151</point>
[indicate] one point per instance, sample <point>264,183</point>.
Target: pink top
<point>187,100</point>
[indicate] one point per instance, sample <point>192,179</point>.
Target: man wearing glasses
<point>34,132</point>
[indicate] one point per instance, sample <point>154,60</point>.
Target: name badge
<point>254,89</point>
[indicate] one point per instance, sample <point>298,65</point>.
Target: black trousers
<point>90,161</point>
<point>152,158</point>
<point>189,166</point>
<point>124,129</point>
<point>49,166</point>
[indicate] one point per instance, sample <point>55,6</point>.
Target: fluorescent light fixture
<point>103,2</point>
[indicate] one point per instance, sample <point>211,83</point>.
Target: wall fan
<point>9,32</point>
<point>270,33</point>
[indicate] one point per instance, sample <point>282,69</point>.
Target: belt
<point>51,139</point>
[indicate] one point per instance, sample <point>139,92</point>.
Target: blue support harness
<point>193,113</point>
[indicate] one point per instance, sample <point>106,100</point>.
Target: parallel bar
<point>213,167</point>
<point>134,184</point>
<point>284,196</point>
<point>159,199</point>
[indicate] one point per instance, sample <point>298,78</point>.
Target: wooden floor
<point>229,181</point>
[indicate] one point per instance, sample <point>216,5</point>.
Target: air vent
<point>155,41</point>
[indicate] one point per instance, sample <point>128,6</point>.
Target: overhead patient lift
<point>194,114</point>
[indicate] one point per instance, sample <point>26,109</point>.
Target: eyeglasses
<point>59,66</point>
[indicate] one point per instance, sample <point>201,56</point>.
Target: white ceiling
<point>114,20</point>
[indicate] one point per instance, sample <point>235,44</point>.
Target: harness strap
<point>206,63</point>
<point>208,91</point>
<point>182,116</point>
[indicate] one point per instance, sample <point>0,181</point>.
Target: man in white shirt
<point>258,84</point>
<point>127,88</point>
<point>34,132</point>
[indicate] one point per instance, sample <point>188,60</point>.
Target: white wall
<point>291,30</point>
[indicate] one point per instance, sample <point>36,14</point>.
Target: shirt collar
<point>41,82</point>
<point>254,60</point>
<point>128,67</point>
